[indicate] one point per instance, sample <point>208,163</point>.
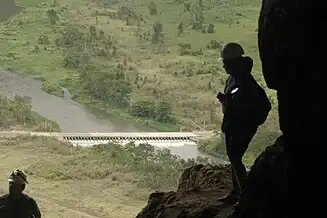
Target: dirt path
<point>64,207</point>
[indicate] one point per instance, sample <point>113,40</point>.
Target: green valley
<point>149,62</point>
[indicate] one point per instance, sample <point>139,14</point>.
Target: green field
<point>148,62</point>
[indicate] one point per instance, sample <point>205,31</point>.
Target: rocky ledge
<point>198,193</point>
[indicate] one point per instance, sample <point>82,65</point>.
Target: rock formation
<point>197,195</point>
<point>282,182</point>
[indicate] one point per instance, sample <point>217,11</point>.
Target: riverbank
<point>16,114</point>
<point>103,110</point>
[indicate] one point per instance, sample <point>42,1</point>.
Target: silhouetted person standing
<point>245,107</point>
<point>16,204</point>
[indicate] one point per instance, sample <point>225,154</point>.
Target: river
<point>71,116</point>
<point>8,8</point>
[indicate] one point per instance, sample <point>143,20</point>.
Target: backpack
<point>262,107</point>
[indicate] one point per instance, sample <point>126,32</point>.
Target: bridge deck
<point>114,136</point>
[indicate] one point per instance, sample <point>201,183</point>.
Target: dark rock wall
<point>291,41</point>
<point>197,196</point>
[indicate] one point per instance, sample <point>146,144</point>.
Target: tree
<point>52,15</point>
<point>163,112</point>
<point>142,109</point>
<point>180,29</point>
<point>211,28</point>
<point>75,59</point>
<point>119,92</point>
<point>152,8</point>
<point>102,35</point>
<point>70,37</point>
<point>110,86</point>
<point>43,39</point>
<point>92,31</point>
<point>197,15</point>
<point>22,109</point>
<point>185,48</point>
<point>187,6</point>
<point>157,32</point>
<point>213,44</point>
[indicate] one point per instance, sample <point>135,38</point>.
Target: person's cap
<point>18,176</point>
<point>231,50</point>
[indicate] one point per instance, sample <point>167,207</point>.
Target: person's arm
<point>35,209</point>
<point>3,200</point>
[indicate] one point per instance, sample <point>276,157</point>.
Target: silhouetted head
<point>17,182</point>
<point>231,50</point>
<point>241,66</point>
<point>234,63</point>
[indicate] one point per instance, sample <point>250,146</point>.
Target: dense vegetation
<point>141,164</point>
<point>152,62</point>
<point>17,114</point>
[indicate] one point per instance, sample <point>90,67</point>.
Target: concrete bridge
<point>89,139</point>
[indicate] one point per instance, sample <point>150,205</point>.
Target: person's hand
<point>220,96</point>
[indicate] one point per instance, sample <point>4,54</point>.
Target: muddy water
<point>8,8</point>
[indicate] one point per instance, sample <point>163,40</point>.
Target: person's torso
<point>230,84</point>
<point>18,208</point>
<point>250,100</point>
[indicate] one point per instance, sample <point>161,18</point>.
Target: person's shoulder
<point>28,199</point>
<point>3,199</point>
<point>230,79</point>
<point>4,196</point>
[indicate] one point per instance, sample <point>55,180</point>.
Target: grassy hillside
<point>108,181</point>
<point>151,62</point>
<point>17,114</point>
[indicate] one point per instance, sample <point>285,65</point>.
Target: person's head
<point>17,182</point>
<point>231,55</point>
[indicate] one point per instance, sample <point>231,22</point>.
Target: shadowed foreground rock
<point>201,187</point>
<point>197,195</point>
<point>287,180</point>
